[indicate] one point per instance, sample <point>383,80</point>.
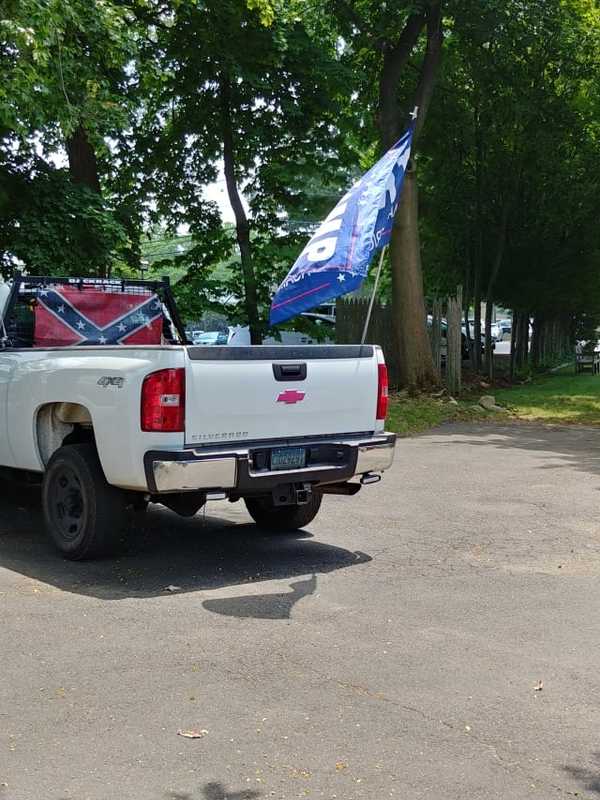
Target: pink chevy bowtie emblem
<point>290,396</point>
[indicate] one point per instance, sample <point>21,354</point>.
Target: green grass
<point>558,398</point>
<point>416,414</point>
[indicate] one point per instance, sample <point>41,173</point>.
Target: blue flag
<point>336,259</point>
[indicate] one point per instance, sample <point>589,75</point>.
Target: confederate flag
<point>68,315</point>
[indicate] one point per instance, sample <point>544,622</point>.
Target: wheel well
<point>58,424</point>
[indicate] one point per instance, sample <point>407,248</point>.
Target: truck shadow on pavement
<point>165,554</point>
<point>263,606</point>
<point>589,778</point>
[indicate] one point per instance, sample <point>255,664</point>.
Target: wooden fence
<point>349,324</point>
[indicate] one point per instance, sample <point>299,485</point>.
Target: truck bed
<point>260,393</point>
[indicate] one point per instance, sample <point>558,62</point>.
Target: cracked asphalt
<point>394,649</point>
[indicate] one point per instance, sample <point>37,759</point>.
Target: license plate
<point>288,458</point>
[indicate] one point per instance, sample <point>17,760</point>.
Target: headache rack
<point>17,323</point>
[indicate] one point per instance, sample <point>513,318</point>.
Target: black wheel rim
<point>67,504</point>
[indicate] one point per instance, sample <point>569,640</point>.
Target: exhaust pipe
<point>370,477</point>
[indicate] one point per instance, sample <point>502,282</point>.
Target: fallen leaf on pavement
<point>192,734</point>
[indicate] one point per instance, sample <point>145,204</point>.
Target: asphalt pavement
<point>435,636</point>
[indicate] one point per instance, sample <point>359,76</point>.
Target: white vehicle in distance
<point>496,331</point>
<point>240,336</point>
<point>103,398</point>
<point>212,338</point>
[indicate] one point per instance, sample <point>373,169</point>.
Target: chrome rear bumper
<point>180,476</point>
<point>197,470</point>
<point>375,456</point>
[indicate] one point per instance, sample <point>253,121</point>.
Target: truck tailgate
<point>277,392</point>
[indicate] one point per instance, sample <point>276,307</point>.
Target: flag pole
<point>372,300</point>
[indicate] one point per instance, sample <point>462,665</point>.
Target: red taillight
<point>163,401</point>
<point>382,392</point>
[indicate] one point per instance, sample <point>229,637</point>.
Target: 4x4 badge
<point>111,380</point>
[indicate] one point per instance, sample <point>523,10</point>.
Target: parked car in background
<point>240,336</point>
<point>464,345</point>
<point>472,330</point>
<point>212,338</point>
<point>505,328</point>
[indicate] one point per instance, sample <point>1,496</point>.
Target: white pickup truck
<point>102,397</point>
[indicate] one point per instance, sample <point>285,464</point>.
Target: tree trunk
<point>478,249</point>
<point>568,341</point>
<point>467,296</point>
<point>519,346</point>
<point>537,341</point>
<point>522,353</point>
<point>410,322</point>
<point>394,60</point>
<point>489,352</point>
<point>242,226</point>
<point>431,62</point>
<point>477,319</point>
<point>436,336</point>
<point>454,343</point>
<point>513,342</point>
<point>489,299</point>
<point>468,336</point>
<point>550,340</point>
<point>83,165</point>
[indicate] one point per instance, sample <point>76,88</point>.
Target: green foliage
<point>64,66</point>
<point>265,10</point>
<point>64,63</point>
<point>515,125</point>
<point>515,128</point>
<point>50,226</point>
<point>284,85</point>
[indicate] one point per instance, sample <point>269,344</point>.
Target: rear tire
<point>83,513</point>
<point>279,519</point>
